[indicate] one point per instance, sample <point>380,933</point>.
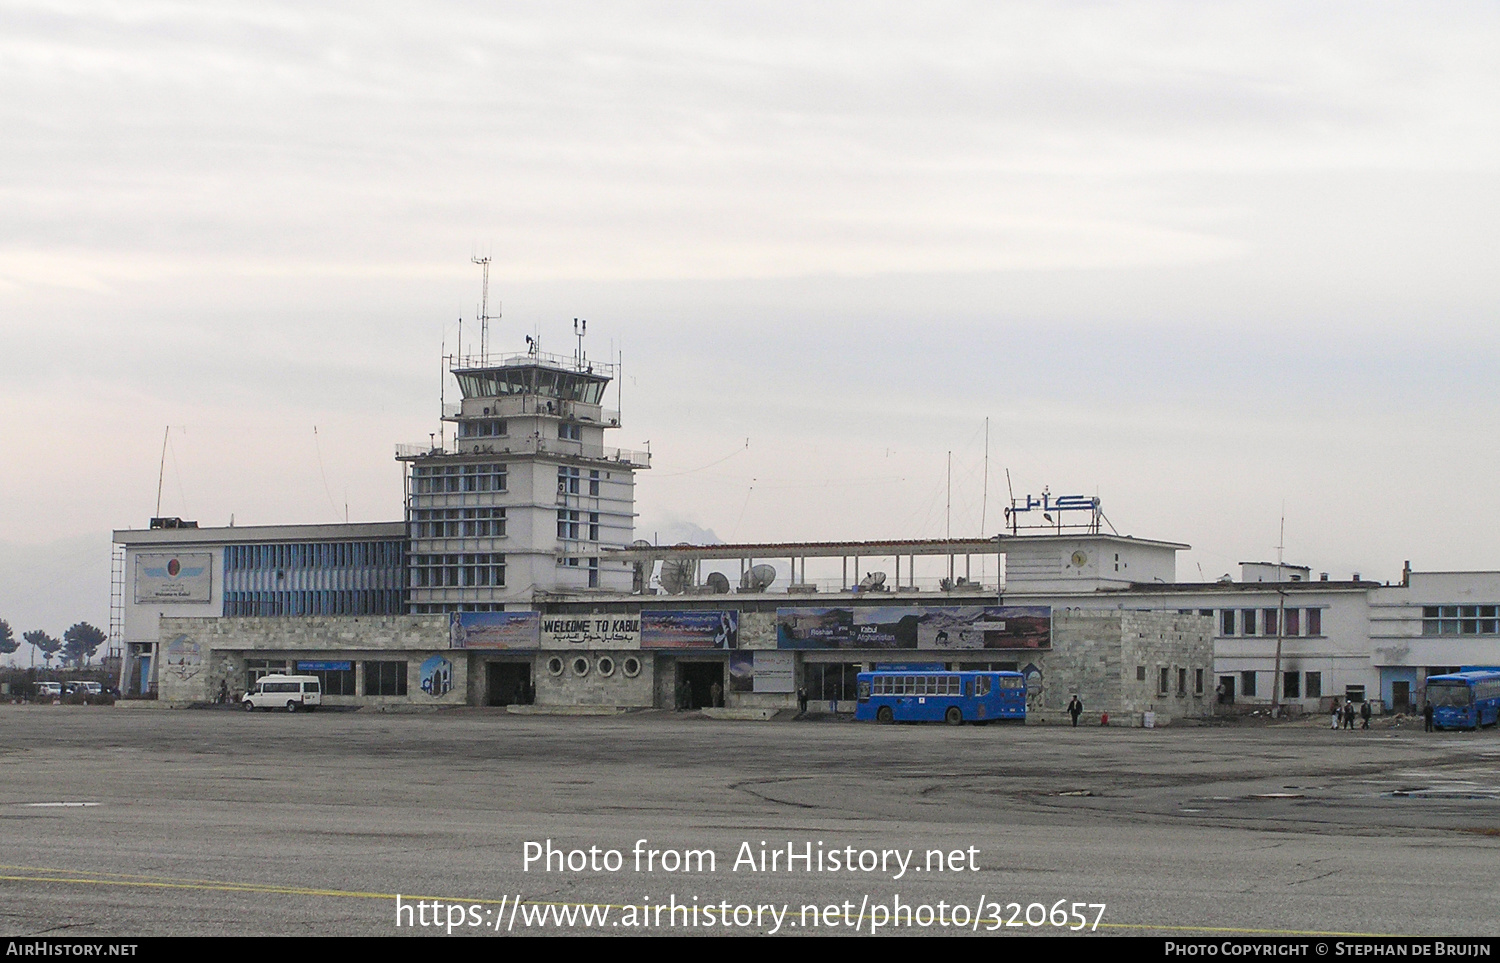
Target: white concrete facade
<point>527,499</point>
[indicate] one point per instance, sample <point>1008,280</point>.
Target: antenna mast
<point>161,473</point>
<point>484,308</point>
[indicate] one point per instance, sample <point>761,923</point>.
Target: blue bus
<point>939,696</point>
<point>1464,700</point>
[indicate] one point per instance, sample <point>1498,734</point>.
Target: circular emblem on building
<point>174,567</point>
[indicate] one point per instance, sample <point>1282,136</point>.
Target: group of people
<point>1344,717</point>
<point>685,696</point>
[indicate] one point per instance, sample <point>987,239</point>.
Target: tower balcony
<point>551,447</point>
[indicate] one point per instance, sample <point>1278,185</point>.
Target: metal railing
<point>566,362</point>
<point>530,446</point>
<point>976,588</point>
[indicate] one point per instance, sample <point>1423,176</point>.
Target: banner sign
<point>494,630</point>
<point>774,671</point>
<point>690,630</point>
<point>324,666</point>
<point>591,632</point>
<point>741,672</point>
<point>957,627</point>
<point>174,578</point>
<point>762,671</point>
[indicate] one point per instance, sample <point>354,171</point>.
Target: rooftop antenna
<point>161,473</point>
<point>948,505</point>
<point>1276,681</point>
<point>984,502</point>
<point>484,307</point>
<point>580,328</point>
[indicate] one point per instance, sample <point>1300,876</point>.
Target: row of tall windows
<point>482,429</point>
<point>458,523</point>
<point>457,571</point>
<point>833,681</point>
<point>571,525</point>
<point>570,481</point>
<point>315,602</point>
<point>1266,621</point>
<point>313,555</point>
<point>1461,620</point>
<point>1164,677</point>
<point>571,561</point>
<point>450,479</point>
<point>1294,685</point>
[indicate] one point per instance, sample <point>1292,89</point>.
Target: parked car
<point>49,690</point>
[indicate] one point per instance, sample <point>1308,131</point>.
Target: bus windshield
<point>1449,694</point>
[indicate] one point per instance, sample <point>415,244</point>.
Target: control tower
<point>527,495</point>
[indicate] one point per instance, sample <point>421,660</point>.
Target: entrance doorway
<point>508,683</point>
<point>695,682</point>
<point>1226,690</point>
<point>1401,696</point>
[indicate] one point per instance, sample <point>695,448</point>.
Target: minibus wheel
<point>249,706</point>
<point>291,707</point>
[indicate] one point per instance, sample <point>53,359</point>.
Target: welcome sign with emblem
<point>187,577</point>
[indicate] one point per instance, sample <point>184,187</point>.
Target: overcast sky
<point>1213,262</point>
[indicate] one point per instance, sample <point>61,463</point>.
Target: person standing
<point>1427,717</point>
<point>1075,709</point>
<point>1364,714</point>
<point>1336,714</point>
<point>1349,715</point>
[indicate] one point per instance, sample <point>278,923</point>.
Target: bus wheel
<point>954,716</point>
<point>885,716</point>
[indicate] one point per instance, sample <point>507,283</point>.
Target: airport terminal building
<point>514,578</point>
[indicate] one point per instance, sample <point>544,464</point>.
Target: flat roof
<point>1167,588</point>
<point>232,534</point>
<point>915,546</point>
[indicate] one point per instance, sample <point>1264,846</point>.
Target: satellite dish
<point>678,575</point>
<point>872,582</point>
<point>717,583</point>
<point>758,579</point>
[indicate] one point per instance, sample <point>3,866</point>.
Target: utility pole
<point>1276,680</point>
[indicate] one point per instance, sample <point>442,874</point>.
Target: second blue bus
<point>951,697</point>
<point>1464,700</point>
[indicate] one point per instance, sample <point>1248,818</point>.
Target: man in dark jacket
<point>1075,709</point>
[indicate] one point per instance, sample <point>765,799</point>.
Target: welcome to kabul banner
<point>938,628</point>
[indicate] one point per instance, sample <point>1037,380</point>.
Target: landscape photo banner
<point>814,628</point>
<point>714,629</point>
<point>936,627</point>
<point>494,630</point>
<point>967,627</point>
